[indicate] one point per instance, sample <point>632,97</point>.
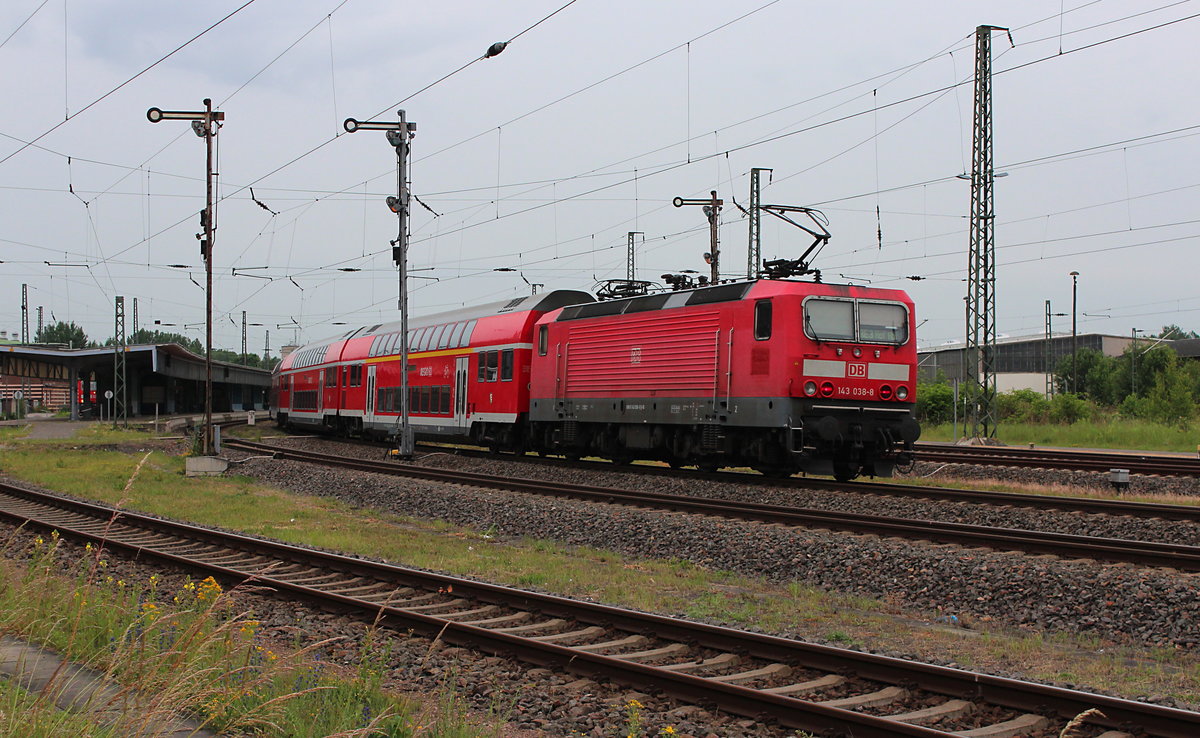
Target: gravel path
<point>1120,602</point>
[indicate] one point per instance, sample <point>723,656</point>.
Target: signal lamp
<point>826,389</point>
<point>885,392</point>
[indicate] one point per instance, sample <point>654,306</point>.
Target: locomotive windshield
<point>835,320</point>
<point>882,323</point>
<point>829,320</point>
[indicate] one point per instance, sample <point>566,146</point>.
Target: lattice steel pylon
<point>24,313</point>
<point>630,257</point>
<point>981,274</point>
<point>120,414</point>
<point>754,252</point>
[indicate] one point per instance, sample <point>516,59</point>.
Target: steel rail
<point>1088,505</point>
<point>1139,463</point>
<point>106,526</point>
<point>1145,553</point>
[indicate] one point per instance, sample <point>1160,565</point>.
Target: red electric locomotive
<point>779,375</point>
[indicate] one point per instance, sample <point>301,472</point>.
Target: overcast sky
<point>543,158</point>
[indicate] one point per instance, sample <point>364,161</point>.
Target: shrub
<point>1067,408</point>
<point>935,403</point>
<point>1023,406</point>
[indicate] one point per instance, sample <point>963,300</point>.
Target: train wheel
<point>707,466</point>
<point>844,471</point>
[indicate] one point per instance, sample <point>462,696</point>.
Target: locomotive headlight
<point>857,352</point>
<point>810,388</point>
<point>902,393</point>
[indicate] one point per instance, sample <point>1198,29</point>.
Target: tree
<point>1174,333</point>
<point>1170,401</point>
<point>68,334</point>
<point>142,335</point>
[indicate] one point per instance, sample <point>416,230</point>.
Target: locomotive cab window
<point>543,339</point>
<point>762,320</point>
<point>506,365</point>
<point>331,377</point>
<point>882,323</point>
<point>829,320</point>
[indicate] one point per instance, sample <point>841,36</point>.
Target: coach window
<point>331,377</point>
<point>882,323</point>
<point>425,399</point>
<point>829,320</point>
<point>543,339</point>
<point>445,404</point>
<point>424,340</point>
<point>466,336</point>
<point>456,335</point>
<point>762,320</point>
<point>506,365</point>
<point>444,337</point>
<point>493,359</point>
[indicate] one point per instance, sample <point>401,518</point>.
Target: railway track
<point>949,494</point>
<point>1182,557</point>
<point>1043,458</point>
<point>799,685</point>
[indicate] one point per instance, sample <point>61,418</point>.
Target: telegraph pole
<point>266,347</point>
<point>981,279</point>
<point>629,257</point>
<point>135,317</point>
<point>119,348</point>
<point>399,135</point>
<point>39,331</point>
<point>243,337</point>
<point>712,211</point>
<point>206,124</point>
<point>754,254</point>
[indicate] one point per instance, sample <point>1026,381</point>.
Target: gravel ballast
<point>1121,602</point>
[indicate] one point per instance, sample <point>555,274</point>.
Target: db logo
<point>635,355</point>
<point>858,370</point>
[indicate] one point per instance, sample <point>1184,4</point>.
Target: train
<point>778,375</point>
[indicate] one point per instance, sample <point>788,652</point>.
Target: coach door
<point>369,407</point>
<point>460,390</point>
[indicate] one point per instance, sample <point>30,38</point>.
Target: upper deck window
<point>882,323</point>
<point>829,320</point>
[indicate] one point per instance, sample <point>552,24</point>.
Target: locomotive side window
<point>506,365</point>
<point>829,320</point>
<point>482,376</point>
<point>762,320</point>
<point>543,339</point>
<point>882,323</point>
<point>331,377</point>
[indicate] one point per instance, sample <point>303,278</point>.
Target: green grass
<point>12,432</point>
<point>189,650</point>
<point>669,585</point>
<point>1136,435</point>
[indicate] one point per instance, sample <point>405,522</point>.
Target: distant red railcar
<point>778,375</point>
